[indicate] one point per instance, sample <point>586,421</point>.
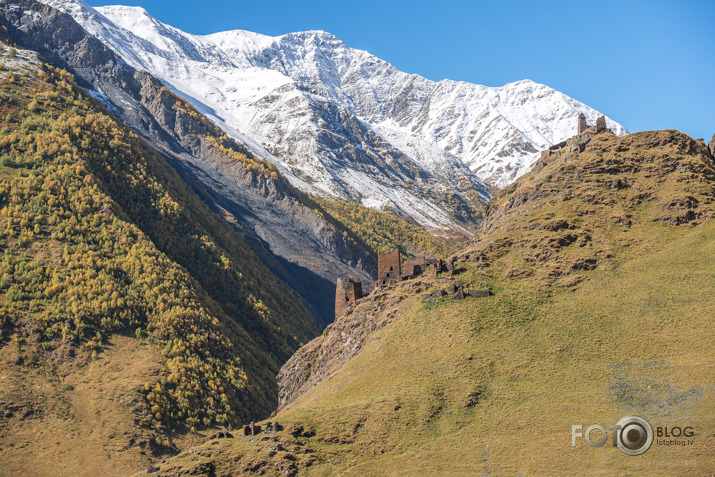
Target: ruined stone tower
<point>348,292</point>
<point>582,125</point>
<point>389,267</point>
<point>601,124</point>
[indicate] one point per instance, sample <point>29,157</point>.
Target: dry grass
<point>492,386</point>
<point>83,415</point>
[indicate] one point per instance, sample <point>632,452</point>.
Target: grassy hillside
<point>105,248</point>
<point>602,268</point>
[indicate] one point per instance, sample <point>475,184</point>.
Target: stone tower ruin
<point>582,124</point>
<point>584,128</point>
<point>601,124</point>
<point>347,293</point>
<point>389,267</point>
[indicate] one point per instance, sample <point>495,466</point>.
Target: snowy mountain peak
<point>341,122</point>
<point>321,35</point>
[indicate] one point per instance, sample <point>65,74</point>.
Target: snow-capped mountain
<point>341,122</point>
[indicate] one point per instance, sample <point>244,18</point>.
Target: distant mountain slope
<point>305,251</point>
<point>341,122</point>
<point>601,267</point>
<point>102,240</point>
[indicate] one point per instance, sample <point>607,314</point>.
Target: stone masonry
<point>582,125</point>
<point>576,144</point>
<point>347,293</point>
<point>389,268</point>
<point>601,124</point>
<point>414,267</point>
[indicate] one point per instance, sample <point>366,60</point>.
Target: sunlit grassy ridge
<point>602,307</point>
<point>101,236</point>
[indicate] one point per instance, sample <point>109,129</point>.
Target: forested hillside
<point>379,231</point>
<point>101,237</point>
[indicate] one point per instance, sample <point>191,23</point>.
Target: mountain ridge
<point>340,122</point>
<point>132,312</point>
<point>108,255</point>
<point>263,209</point>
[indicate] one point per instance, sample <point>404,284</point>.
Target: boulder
<point>459,294</point>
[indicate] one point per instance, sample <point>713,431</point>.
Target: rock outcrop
<point>340,342</point>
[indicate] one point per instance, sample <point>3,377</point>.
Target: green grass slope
<point>602,268</point>
<point>104,248</point>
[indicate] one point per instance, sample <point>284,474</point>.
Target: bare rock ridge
<point>303,250</point>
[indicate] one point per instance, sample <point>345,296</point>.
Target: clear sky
<point>646,64</point>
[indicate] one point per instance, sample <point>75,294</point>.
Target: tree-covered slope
<point>302,250</point>
<point>381,231</point>
<point>601,267</point>
<point>100,238</point>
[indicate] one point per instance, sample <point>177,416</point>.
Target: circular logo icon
<point>635,435</point>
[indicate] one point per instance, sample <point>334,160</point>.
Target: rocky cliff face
<point>341,122</point>
<point>711,146</point>
<point>303,250</point>
<point>341,341</point>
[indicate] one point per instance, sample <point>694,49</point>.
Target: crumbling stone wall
<point>584,129</point>
<point>414,267</point>
<point>576,144</point>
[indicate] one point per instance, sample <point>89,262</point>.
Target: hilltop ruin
<point>347,293</point>
<point>575,144</point>
<point>390,270</point>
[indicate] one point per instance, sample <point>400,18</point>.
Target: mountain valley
<point>176,209</point>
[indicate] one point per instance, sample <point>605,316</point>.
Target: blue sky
<point>647,64</point>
